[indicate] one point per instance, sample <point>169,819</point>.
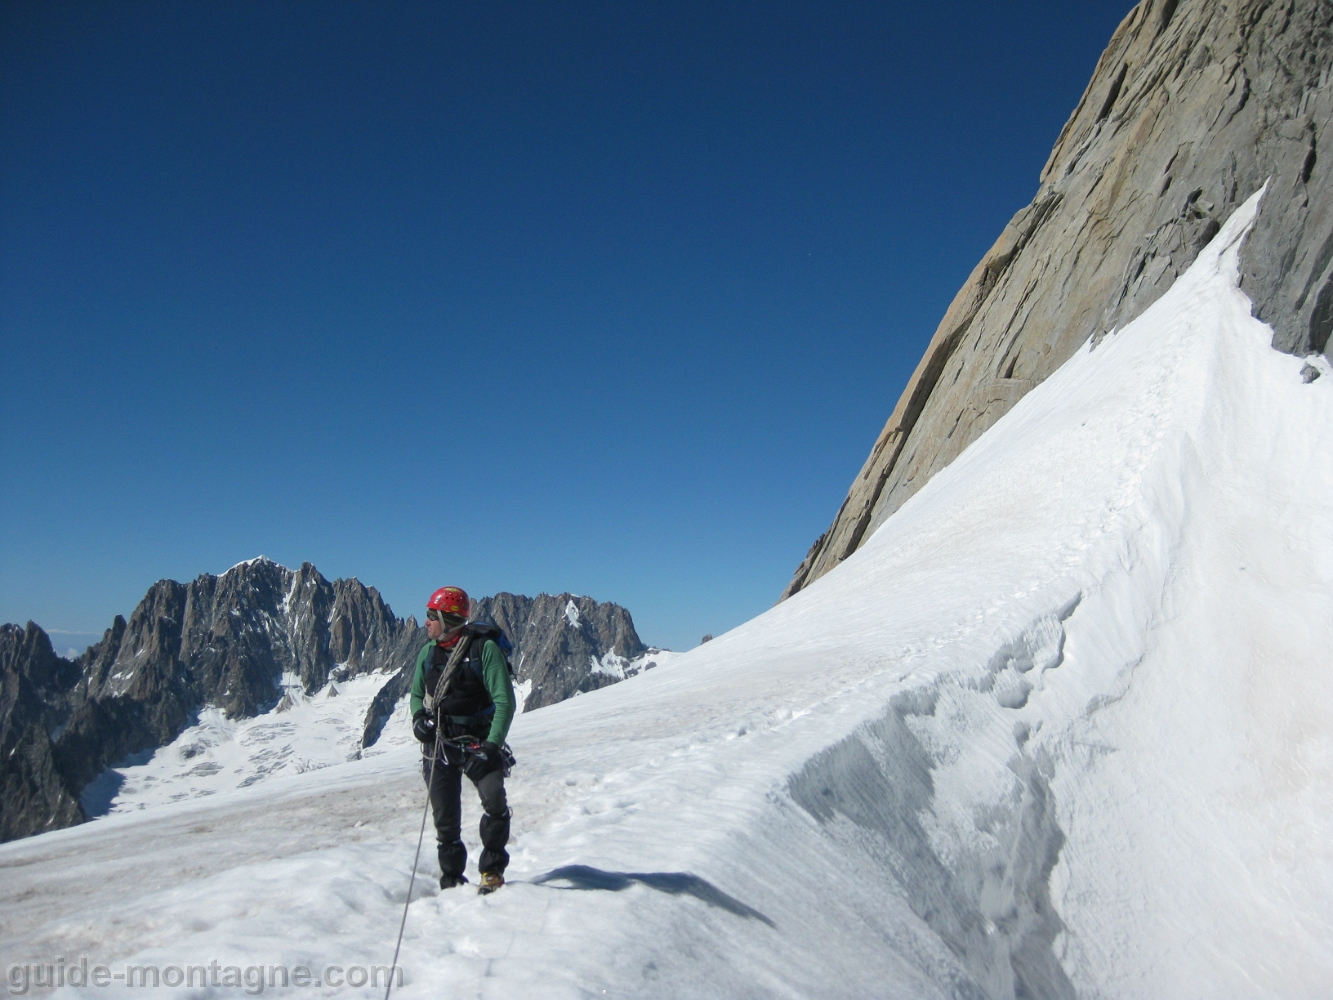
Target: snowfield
<point>1062,727</point>
<point>304,733</point>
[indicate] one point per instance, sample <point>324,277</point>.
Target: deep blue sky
<point>608,298</point>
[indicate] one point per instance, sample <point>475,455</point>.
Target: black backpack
<point>489,630</point>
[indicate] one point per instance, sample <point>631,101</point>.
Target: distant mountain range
<point>241,642</point>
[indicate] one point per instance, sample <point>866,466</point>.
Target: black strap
<point>471,720</point>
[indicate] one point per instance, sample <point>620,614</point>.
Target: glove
<point>481,759</point>
<point>423,726</point>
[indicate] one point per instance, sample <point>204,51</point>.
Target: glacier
<point>1062,727</point>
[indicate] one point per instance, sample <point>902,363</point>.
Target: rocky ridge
<point>239,642</point>
<point>1193,107</point>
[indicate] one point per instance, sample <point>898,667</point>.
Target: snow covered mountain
<point>225,671</point>
<point>1193,106</point>
<point>1047,713</point>
<point>235,642</point>
<point>1062,727</point>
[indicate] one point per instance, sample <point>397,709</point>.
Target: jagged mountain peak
<point>236,641</point>
<point>259,560</point>
<point>243,643</point>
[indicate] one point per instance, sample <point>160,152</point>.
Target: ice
<point>572,614</point>
<point>521,692</point>
<point>620,667</point>
<point>1063,726</point>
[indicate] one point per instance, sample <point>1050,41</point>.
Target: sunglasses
<point>435,616</point>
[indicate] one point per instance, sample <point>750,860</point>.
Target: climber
<point>462,704</point>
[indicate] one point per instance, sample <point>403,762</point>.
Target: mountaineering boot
<point>449,881</point>
<point>490,881</point>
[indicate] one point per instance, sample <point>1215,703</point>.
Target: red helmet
<point>452,601</point>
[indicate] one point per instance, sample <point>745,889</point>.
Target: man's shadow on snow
<point>674,883</point>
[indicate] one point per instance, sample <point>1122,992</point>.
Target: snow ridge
<point>1062,726</point>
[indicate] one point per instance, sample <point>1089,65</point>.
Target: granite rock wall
<point>1193,107</point>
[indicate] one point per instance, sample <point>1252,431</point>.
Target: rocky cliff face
<point>226,640</point>
<point>239,641</point>
<point>36,693</point>
<point>563,646</point>
<point>1192,108</point>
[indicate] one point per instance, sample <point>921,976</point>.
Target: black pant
<point>446,791</point>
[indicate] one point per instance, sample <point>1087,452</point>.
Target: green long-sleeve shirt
<point>494,674</point>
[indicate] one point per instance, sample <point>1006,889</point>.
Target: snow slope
<point>1064,726</point>
<point>305,732</point>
